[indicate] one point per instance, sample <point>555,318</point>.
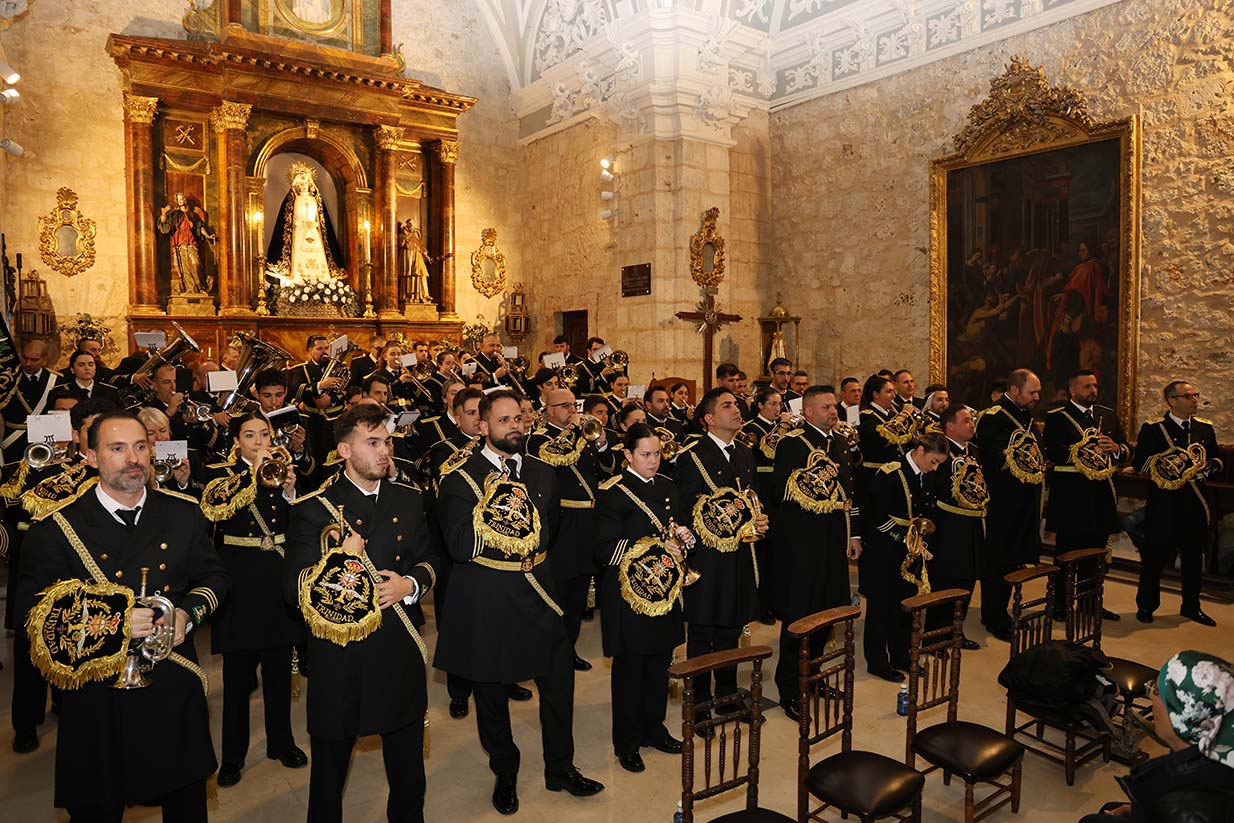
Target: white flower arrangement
<point>318,290</point>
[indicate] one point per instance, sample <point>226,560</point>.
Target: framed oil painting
<point>1034,245</point>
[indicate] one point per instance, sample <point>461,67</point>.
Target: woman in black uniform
<point>640,595</point>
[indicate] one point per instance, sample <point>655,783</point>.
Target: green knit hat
<point>1198,691</point>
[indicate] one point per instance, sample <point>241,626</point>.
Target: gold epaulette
<point>1203,420</point>
<point>795,433</point>
<point>333,459</point>
<point>686,447</point>
<point>48,508</point>
<point>181,495</point>
<point>867,411</point>
<point>612,481</point>
<point>222,464</point>
<point>888,468</point>
<point>542,430</point>
<point>310,495</point>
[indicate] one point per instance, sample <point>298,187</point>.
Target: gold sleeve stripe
<point>619,552</point>
<point>432,575</point>
<point>206,594</point>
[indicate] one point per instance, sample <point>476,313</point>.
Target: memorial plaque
<point>636,280</point>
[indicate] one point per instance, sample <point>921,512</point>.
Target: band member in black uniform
<point>187,476</point>
<point>1177,452</point>
<point>883,433</point>
<point>659,412</point>
<point>896,495</point>
<point>502,622</point>
<point>781,371</point>
<point>369,362</point>
<point>725,598</point>
<point>767,405</point>
<point>728,376</point>
<point>906,389</point>
<point>375,685</point>
<point>82,382</point>
<point>35,383</point>
<point>679,399</point>
<point>316,395</point>
<point>598,407</point>
<point>639,633</point>
<point>1085,443</point>
<point>561,345</point>
<point>432,430</point>
<point>491,366</point>
<point>602,377</point>
<point>95,346</point>
<point>271,389</point>
<point>937,400</point>
<point>255,627</point>
<point>850,401</point>
<point>579,465</point>
<point>958,543</point>
<point>818,529</point>
<point>119,747</point>
<point>1013,520</point>
<point>617,393</point>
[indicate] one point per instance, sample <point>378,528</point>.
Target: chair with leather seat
<point>723,721</point>
<point>1084,590</point>
<point>865,784</point>
<point>978,754</point>
<point>1032,623</point>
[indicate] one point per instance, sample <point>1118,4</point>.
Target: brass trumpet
<point>153,649</point>
<point>590,427</point>
<point>163,469</point>
<point>195,412</point>
<point>282,437</point>
<point>273,471</point>
<point>669,538</point>
<point>668,444</point>
<point>849,433</point>
<point>42,455</point>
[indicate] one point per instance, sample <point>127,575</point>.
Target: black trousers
<point>939,617</point>
<point>29,706</point>
<point>1064,542</point>
<point>702,639</point>
<point>572,597</point>
<point>886,629</point>
<point>1152,563</point>
<point>640,700</point>
<point>556,718</point>
<point>186,805</point>
<point>788,667</point>
<point>403,753</point>
<point>239,669</point>
<point>995,595</point>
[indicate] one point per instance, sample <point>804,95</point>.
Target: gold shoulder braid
<point>461,456</point>
<point>338,596</point>
<point>54,493</point>
<point>605,485</point>
<point>562,450</point>
<point>1024,458</point>
<point>1176,466</point>
<point>968,486</point>
<point>79,632</point>
<point>224,496</point>
<point>506,519</point>
<point>816,487</point>
<point>900,428</point>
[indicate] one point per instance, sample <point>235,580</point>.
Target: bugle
<point>153,649</point>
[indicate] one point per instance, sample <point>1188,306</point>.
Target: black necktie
<point>512,468</point>
<point>1186,426</point>
<point>1088,417</point>
<point>129,516</point>
<point>730,450</point>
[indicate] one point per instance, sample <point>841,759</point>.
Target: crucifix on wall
<point>707,269</point>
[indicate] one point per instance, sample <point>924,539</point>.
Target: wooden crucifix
<point>709,319</point>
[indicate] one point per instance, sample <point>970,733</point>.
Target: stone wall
<point>850,176</point>
<point>70,121</point>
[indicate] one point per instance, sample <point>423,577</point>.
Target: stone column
<point>386,286</point>
<point>143,284</point>
<point>447,155</point>
<point>235,283</point>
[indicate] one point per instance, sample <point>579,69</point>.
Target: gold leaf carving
<point>230,115</point>
<point>141,110</point>
<point>54,230</point>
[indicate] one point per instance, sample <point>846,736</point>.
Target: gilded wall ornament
<point>66,237</point>
<point>389,137</point>
<point>488,265</point>
<point>707,252</point>
<point>141,109</point>
<point>230,115</point>
<point>447,151</point>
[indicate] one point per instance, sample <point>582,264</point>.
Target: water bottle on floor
<point>680,814</point>
<point>902,701</point>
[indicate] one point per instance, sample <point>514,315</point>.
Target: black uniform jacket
<point>896,495</point>
<point>1180,514</point>
<point>1013,522</point>
<point>725,594</point>
<point>1077,505</point>
<point>499,624</point>
<point>31,397</point>
<point>302,383</point>
<point>876,449</point>
<point>256,615</point>
<point>958,542</point>
<point>621,520</point>
<point>131,746</point>
<point>810,561</point>
<point>377,684</point>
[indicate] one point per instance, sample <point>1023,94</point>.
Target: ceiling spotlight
<point>607,162</point>
<point>606,214</point>
<point>9,96</point>
<point>607,176</point>
<point>12,147</point>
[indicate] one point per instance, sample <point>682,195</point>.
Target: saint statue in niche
<point>303,247</point>
<point>186,224</point>
<point>413,279</point>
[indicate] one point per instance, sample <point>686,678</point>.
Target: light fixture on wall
<point>607,214</point>
<point>7,73</point>
<point>609,193</point>
<point>9,96</point>
<point>606,162</point>
<point>12,147</point>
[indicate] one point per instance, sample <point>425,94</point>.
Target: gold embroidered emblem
<point>816,487</point>
<point>506,518</point>
<point>1176,466</point>
<point>651,578</point>
<point>1024,458</point>
<point>79,632</point>
<point>968,485</point>
<point>725,518</point>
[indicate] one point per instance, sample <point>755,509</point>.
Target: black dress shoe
<point>25,743</point>
<point>581,665</point>
<point>228,776</point>
<point>792,709</point>
<point>589,614</point>
<point>293,758</point>
<point>459,707</point>
<point>572,782</point>
<point>667,744</point>
<point>1106,614</point>
<point>889,674</point>
<point>969,645</point>
<point>1200,617</point>
<point>1143,616</point>
<point>767,618</point>
<point>515,692</point>
<point>505,794</point>
<point>631,761</point>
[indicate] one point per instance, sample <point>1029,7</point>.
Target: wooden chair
<point>866,784</point>
<point>714,728</point>
<point>1032,623</point>
<point>1084,590</point>
<point>976,753</point>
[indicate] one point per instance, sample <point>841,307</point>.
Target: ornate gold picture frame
<point>1035,244</point>
<point>707,260</point>
<point>488,265</point>
<point>66,237</point>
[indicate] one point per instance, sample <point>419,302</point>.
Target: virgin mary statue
<point>303,248</point>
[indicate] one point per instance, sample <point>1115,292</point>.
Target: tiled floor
<point>459,783</point>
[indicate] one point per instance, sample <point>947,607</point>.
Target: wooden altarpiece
<point>206,116</point>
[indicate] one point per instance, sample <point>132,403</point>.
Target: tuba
<point>335,367</point>
<point>163,469</point>
<point>255,356</point>
<point>179,346</point>
<point>153,649</point>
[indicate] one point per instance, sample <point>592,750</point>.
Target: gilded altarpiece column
<point>139,113</point>
<point>447,155</point>
<point>388,138</point>
<point>229,121</point>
